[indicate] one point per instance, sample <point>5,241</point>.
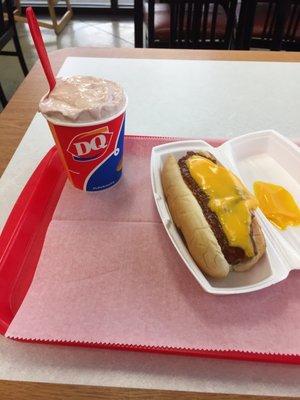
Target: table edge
<point>18,390</point>
<point>180,54</point>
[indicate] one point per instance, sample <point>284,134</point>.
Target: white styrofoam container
<point>265,156</point>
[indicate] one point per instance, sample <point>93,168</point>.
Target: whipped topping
<point>83,99</point>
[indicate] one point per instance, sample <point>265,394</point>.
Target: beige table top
<point>14,121</point>
<point>18,114</point>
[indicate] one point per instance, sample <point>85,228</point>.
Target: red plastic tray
<point>21,243</point>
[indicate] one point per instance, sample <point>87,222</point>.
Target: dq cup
<point>91,152</point>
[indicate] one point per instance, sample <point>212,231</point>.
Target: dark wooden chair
<point>8,32</point>
<point>271,24</point>
<point>205,24</point>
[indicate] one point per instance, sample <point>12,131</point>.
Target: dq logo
<point>88,146</point>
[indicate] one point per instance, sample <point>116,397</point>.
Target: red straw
<point>40,46</point>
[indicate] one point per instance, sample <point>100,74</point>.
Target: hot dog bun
<point>200,239</point>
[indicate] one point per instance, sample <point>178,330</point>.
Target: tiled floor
<point>96,31</point>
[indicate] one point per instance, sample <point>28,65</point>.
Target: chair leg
<point>240,26</point>
<point>20,53</point>
<point>282,10</point>
<point>15,37</point>
<point>138,23</point>
<point>3,99</point>
<point>250,16</point>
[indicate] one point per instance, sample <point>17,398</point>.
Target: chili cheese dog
<point>214,212</point>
